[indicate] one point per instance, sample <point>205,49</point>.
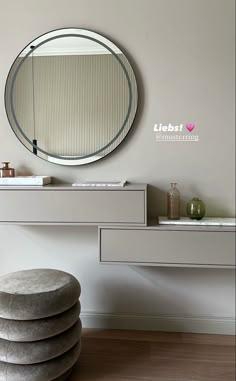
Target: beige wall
<point>183,54</point>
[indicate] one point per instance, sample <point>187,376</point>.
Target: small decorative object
<point>196,209</point>
<point>6,171</point>
<point>26,180</point>
<point>118,184</point>
<point>173,203</point>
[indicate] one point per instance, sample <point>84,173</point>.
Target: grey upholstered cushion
<point>39,351</point>
<point>46,371</point>
<point>64,377</point>
<point>33,330</point>
<point>36,294</point>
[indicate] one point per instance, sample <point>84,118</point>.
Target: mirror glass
<point>71,96</point>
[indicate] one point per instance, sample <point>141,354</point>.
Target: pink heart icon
<point>190,127</point>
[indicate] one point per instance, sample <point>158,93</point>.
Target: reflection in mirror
<point>71,96</point>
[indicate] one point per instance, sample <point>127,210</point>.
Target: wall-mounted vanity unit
<point>156,245</point>
<point>65,204</point>
<point>125,237</point>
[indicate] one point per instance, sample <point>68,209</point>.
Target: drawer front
<point>62,206</point>
<point>167,247</point>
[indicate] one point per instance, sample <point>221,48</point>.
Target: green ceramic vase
<point>196,209</point>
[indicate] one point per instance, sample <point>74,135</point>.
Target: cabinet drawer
<point>160,248</point>
<point>73,206</point>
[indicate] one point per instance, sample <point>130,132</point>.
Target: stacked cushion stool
<point>40,328</point>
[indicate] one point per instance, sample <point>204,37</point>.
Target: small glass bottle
<point>6,171</point>
<point>173,203</point>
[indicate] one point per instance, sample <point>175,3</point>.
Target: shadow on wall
<point>169,289</point>
<point>137,300</point>
<point>58,247</point>
<point>187,290</point>
<point>157,205</point>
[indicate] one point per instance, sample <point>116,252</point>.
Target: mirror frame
<point>104,42</point>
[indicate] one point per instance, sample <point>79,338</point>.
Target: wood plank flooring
<point>113,355</point>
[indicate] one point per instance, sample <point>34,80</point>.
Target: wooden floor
<point>152,356</point>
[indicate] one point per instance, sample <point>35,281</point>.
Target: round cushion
<point>33,330</point>
<point>39,351</point>
<point>64,377</point>
<point>46,371</point>
<point>36,294</point>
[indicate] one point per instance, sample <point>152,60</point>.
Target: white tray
<point>100,184</point>
<point>206,221</point>
<point>25,180</point>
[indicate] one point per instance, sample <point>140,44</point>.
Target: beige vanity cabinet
<point>168,246</point>
<point>53,204</point>
<point>121,217</point>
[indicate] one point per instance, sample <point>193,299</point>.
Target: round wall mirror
<point>71,96</point>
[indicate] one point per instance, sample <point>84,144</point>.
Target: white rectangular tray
<point>25,180</point>
<point>206,221</point>
<point>118,184</point>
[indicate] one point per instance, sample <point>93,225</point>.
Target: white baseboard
<point>199,324</point>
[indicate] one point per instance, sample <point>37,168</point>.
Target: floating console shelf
<point>121,214</point>
<point>174,246</point>
<point>66,204</point>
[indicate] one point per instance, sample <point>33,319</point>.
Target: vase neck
<point>5,164</point>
